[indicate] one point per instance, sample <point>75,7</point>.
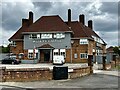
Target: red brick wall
<point>37,74</point>
<point>18,48</point>
<point>76,48</point>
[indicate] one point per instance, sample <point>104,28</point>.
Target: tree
<point>5,49</point>
<point>117,50</point>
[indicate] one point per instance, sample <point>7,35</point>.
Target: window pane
<point>83,41</point>
<point>75,55</point>
<point>83,56</point>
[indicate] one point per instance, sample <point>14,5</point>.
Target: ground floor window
<point>59,52</point>
<point>33,53</point>
<point>30,55</point>
<point>63,53</point>
<point>56,52</point>
<point>75,55</point>
<point>83,55</point>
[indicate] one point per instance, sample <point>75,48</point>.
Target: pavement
<point>114,73</point>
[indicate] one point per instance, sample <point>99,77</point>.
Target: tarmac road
<point>96,81</point>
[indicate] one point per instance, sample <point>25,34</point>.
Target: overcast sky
<point>103,14</point>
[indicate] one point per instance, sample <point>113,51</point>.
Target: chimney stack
<point>29,21</point>
<point>30,17</point>
<point>82,19</point>
<point>25,22</point>
<point>90,24</point>
<point>69,15</point>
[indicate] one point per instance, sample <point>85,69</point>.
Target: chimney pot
<point>82,19</point>
<point>69,15</point>
<point>90,24</point>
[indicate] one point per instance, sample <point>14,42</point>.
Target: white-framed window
<point>75,55</point>
<point>83,41</point>
<point>13,43</point>
<point>98,39</point>
<point>56,52</point>
<point>59,35</point>
<point>30,53</point>
<point>59,52</point>
<point>38,36</point>
<point>62,52</point>
<point>46,36</point>
<point>83,55</point>
<point>32,36</point>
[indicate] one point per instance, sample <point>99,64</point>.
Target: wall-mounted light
<point>72,41</point>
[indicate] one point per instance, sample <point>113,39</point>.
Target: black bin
<point>60,72</point>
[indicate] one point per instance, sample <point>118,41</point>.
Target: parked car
<point>10,61</point>
<point>11,55</point>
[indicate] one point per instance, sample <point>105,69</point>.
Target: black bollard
<point>104,62</point>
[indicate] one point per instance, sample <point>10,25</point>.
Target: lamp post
<point>34,51</point>
<point>71,49</point>
<point>104,61</point>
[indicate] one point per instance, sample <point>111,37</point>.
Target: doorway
<point>47,55</point>
<point>44,55</point>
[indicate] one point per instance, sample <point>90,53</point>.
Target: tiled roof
<point>92,33</point>
<point>81,30</point>
<point>48,24</point>
<point>78,29</point>
<point>46,46</point>
<point>55,23</point>
<point>43,24</point>
<point>110,49</point>
<point>18,34</point>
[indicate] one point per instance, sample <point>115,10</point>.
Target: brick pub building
<point>40,41</point>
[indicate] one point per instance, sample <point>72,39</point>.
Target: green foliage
<point>117,50</point>
<point>5,49</point>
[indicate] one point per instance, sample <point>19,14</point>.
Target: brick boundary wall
<point>79,72</point>
<point>37,74</point>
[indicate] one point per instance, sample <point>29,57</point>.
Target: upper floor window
<point>59,35</point>
<point>33,36</point>
<point>83,41</point>
<point>98,39</point>
<point>46,36</point>
<point>38,35</point>
<point>13,43</point>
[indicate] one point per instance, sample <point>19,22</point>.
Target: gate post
<point>90,57</point>
<point>2,74</point>
<point>104,61</point>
